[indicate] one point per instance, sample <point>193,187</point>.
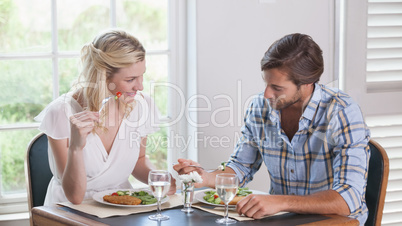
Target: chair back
<point>37,170</point>
<point>377,181</point>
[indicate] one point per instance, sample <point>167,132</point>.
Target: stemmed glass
<point>159,182</point>
<point>226,186</point>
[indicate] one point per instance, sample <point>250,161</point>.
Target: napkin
<point>100,210</point>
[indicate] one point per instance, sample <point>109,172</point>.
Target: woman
<point>98,132</point>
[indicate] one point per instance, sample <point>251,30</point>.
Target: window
<point>371,45</point>
<point>373,76</point>
<point>384,46</point>
<point>384,76</point>
<point>39,51</point>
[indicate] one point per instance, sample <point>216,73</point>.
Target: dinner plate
<point>99,197</point>
<point>200,197</point>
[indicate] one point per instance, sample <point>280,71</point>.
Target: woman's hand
<point>82,124</point>
<point>172,189</point>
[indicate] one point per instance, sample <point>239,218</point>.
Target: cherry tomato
<point>118,95</point>
<point>115,194</point>
<point>216,196</point>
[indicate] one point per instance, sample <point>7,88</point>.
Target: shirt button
<point>292,171</point>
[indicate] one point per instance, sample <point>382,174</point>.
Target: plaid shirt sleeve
<point>246,159</point>
<point>351,151</point>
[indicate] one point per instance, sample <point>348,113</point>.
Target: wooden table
<point>61,215</point>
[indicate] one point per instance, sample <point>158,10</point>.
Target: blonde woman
<point>97,138</point>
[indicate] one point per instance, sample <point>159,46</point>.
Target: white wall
<point>231,38</point>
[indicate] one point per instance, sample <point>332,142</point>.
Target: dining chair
<point>37,171</point>
<point>377,181</point>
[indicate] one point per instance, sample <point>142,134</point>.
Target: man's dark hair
<point>297,55</point>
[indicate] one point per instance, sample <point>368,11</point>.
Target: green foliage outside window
<point>26,85</point>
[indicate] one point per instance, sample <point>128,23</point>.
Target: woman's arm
<point>71,169</point>
<point>69,156</point>
<point>60,150</point>
<point>144,165</point>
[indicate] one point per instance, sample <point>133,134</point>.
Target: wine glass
<point>226,186</point>
<point>159,182</point>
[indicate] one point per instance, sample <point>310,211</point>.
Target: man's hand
<point>323,202</point>
<point>258,206</point>
<point>185,166</point>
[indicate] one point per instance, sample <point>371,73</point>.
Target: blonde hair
<point>101,59</point>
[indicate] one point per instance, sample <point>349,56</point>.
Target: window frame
<point>16,203</point>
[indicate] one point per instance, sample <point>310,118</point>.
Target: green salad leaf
<point>243,192</point>
<point>120,193</point>
<point>213,197</point>
<point>146,198</point>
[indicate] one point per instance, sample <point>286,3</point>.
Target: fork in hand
<point>189,165</point>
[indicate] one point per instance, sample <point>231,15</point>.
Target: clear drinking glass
<point>187,193</point>
<point>226,186</point>
<point>159,182</point>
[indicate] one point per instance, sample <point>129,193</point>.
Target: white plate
<point>99,197</point>
<point>200,196</point>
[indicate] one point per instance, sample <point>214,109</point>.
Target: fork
<point>104,101</point>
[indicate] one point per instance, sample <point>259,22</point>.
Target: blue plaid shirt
<point>329,151</point>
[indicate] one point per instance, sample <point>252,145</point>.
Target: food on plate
<point>118,95</point>
<point>213,197</point>
<point>146,198</point>
<point>122,200</point>
<point>235,200</point>
<point>130,198</point>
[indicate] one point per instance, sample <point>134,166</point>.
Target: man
<point>312,139</point>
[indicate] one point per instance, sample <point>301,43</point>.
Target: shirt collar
<point>308,112</point>
<point>273,115</point>
<point>313,103</point>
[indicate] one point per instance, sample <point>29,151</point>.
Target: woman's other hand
<point>172,189</point>
<point>82,124</point>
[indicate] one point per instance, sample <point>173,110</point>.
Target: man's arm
<point>350,137</point>
<point>245,160</point>
<point>208,178</point>
<point>324,202</point>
